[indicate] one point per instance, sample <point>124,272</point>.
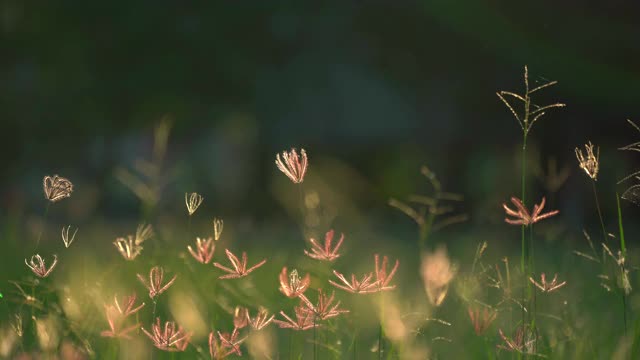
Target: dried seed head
<point>38,266</point>
<point>204,250</point>
<point>292,165</point>
<point>218,225</point>
<point>65,236</point>
<point>240,317</point>
<point>127,247</point>
<point>437,272</point>
<point>56,188</point>
<point>589,163</point>
<point>192,201</point>
<point>143,232</point>
<point>155,286</point>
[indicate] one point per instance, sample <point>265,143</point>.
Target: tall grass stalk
<point>623,249</point>
<point>42,226</point>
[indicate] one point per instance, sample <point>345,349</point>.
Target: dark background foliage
<point>382,86</point>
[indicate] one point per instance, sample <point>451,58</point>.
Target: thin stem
<point>522,239</point>
<point>44,223</point>
<point>595,196</point>
<point>315,343</point>
<point>623,249</point>
<point>380,344</point>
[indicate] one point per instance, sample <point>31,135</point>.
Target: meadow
<point>326,282</point>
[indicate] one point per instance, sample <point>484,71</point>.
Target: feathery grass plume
<point>529,116</point>
<point>292,285</point>
<point>146,180</point>
<point>192,201</point>
<point>240,317</point>
<point>143,232</point>
<point>304,319</point>
<point>131,246</point>
<point>365,285</point>
<point>622,273</point>
<point>433,212</point>
<point>437,272</point>
<point>522,215</point>
<point>524,341</point>
<point>324,308</point>
<point>65,236</point>
<point>156,277</point>
<point>204,250</point>
<point>217,350</point>
<point>632,193</point>
<point>218,225</point>
<point>37,265</point>
<point>554,176</point>
<point>239,267</point>
<point>168,338</point>
<point>232,341</point>
<point>382,277</point>
<point>481,322</point>
<point>127,247</point>
<point>261,320</point>
<point>591,162</point>
<point>546,286</point>
<point>292,165</point>
<point>56,188</point>
<point>325,253</point>
<point>117,314</point>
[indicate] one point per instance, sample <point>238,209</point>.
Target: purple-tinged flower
<point>239,267</point>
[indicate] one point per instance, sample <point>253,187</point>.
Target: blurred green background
<point>371,89</point>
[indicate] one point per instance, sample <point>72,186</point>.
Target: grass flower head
<point>292,165</point>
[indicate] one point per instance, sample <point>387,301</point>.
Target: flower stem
<point>623,249</point>
<point>595,196</point>
<point>44,222</point>
<point>523,240</point>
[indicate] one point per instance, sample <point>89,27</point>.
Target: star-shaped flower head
<point>155,286</point>
<point>292,165</point>
<point>37,265</point>
<point>168,338</point>
<point>292,285</point>
<point>521,214</point>
<point>239,267</point>
<point>325,253</point>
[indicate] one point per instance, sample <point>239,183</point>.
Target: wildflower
<point>292,165</point>
<point>325,253</point>
<point>231,341</point>
<point>590,163</point>
<point>204,250</point>
<point>168,338</point>
<point>545,286</point>
<point>304,319</point>
<point>36,264</point>
<point>261,319</point>
<point>522,215</point>
<point>130,308</point>
<point>323,309</point>
<point>481,322</point>
<point>292,286</point>
<point>524,340</point>
<point>127,247</point>
<point>116,316</point>
<point>143,233</point>
<point>239,267</point>
<point>156,275</point>
<point>217,350</point>
<point>65,236</point>
<point>56,188</point>
<point>240,317</point>
<point>218,225</point>
<point>382,278</point>
<point>362,286</point>
<point>192,201</point>
<point>437,272</point>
